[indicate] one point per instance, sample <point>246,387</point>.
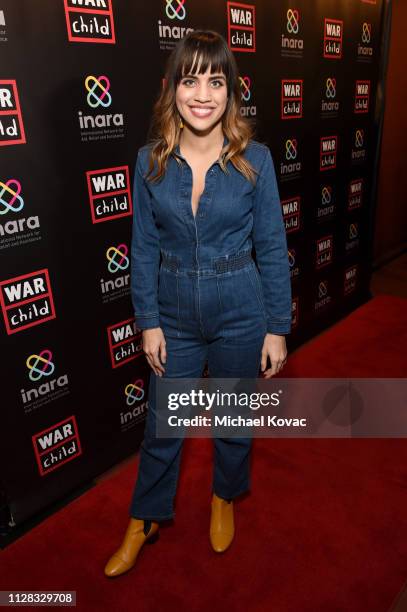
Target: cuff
<point>147,321</point>
<point>279,326</point>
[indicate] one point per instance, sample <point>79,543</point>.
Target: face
<point>201,99</point>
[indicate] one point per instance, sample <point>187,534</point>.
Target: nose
<point>202,93</point>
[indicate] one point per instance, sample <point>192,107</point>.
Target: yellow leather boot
<point>222,527</point>
<point>125,557</point>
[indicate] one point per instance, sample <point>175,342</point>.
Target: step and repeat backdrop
<point>78,79</point>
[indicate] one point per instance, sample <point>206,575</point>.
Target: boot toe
<point>115,566</point>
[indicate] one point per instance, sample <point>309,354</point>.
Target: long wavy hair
<point>165,126</point>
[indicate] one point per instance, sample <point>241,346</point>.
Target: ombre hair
<point>164,132</point>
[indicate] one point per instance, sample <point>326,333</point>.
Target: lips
<point>201,111</point>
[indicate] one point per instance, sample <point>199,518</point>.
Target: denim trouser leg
<point>233,358</point>
<point>217,315</point>
<point>160,458</point>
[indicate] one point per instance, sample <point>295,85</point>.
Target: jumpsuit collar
<point>176,150</point>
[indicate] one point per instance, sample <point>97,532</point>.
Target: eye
<point>186,81</point>
<point>218,81</point>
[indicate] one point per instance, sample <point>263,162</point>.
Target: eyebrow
<point>214,76</point>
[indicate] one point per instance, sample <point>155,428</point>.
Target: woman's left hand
<point>274,347</point>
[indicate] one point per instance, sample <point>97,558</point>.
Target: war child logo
<point>241,26</point>
<point>90,21</point>
<point>109,193</point>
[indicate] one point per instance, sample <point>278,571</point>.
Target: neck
<point>202,143</point>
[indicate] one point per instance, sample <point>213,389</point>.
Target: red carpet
<point>323,530</point>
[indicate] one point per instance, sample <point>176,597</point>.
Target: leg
<point>235,352</point>
<point>233,359</point>
<point>157,479</point>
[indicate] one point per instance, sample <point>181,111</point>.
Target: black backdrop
<point>77,83</point>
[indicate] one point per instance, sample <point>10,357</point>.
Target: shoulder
<point>259,155</point>
<point>256,152</point>
<point>143,155</point>
<point>143,159</point>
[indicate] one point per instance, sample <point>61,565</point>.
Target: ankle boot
<point>138,532</point>
<point>222,527</point>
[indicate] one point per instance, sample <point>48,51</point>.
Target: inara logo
<point>245,84</point>
<point>241,26</point>
<point>293,21</point>
<point>365,48</point>
<point>117,258</point>
<point>11,121</point>
<point>41,368</point>
<point>90,21</point>
<point>10,198</point>
<point>291,44</point>
<point>323,299</point>
<point>326,195</point>
<point>291,145</point>
<point>322,289</point>
<point>326,207</point>
<point>175,9</point>
<point>109,193</point>
<point>26,300</point>
<point>290,166</point>
<point>134,392</point>
<point>366,32</point>
<point>98,91</point>
<point>330,87</point>
<point>329,103</point>
<point>359,138</point>
<point>117,286</point>
<point>248,108</point>
<point>99,97</point>
<point>40,365</point>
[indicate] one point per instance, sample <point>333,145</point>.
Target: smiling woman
<point>205,193</point>
<point>194,92</point>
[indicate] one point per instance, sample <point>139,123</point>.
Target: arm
<point>270,242</point>
<point>145,255</point>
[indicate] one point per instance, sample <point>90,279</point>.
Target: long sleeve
<point>270,243</point>
<point>145,255</point>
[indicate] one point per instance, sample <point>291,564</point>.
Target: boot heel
<point>153,538</point>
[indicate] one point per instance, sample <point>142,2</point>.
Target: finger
<point>157,363</point>
<point>263,359</point>
<point>152,358</point>
<point>274,367</point>
<point>150,363</point>
<point>163,352</point>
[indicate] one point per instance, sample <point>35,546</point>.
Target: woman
<point>205,193</point>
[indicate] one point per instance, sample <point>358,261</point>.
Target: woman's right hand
<point>154,349</point>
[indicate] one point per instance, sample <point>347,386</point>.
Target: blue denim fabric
<point>233,217</point>
<point>209,298</point>
<point>217,316</point>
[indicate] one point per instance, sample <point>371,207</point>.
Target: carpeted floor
<point>324,528</point>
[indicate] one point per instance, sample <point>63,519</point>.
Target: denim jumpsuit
<point>196,279</point>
